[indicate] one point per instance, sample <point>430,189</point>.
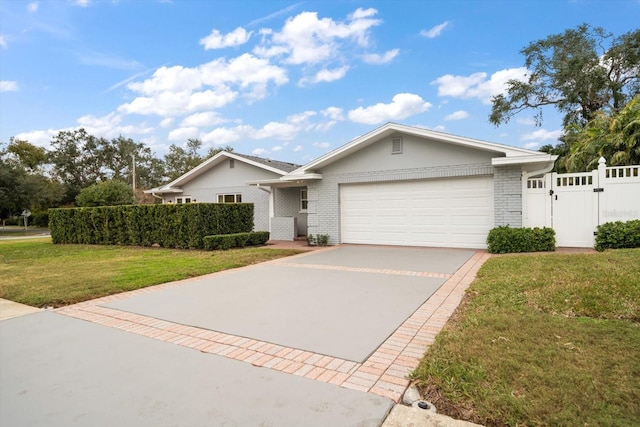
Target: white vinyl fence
<point>574,204</point>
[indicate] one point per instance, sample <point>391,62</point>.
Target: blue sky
<point>279,79</point>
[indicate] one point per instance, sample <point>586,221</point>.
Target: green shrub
<point>615,235</point>
<point>235,240</point>
<point>170,226</point>
<point>504,239</point>
<point>322,239</point>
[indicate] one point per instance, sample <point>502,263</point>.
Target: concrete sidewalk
<point>10,309</point>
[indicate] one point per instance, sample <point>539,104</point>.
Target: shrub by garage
<point>505,239</point>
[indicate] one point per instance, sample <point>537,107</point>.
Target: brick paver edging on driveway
<point>384,373</point>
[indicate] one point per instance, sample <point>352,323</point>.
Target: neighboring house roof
<point>278,167</point>
<point>506,155</point>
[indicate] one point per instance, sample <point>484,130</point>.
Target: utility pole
<point>133,174</point>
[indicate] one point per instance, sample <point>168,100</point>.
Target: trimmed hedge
<point>616,235</point>
<point>502,240</point>
<point>169,226</point>
<point>236,240</point>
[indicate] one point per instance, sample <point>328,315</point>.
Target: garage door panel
<point>445,212</point>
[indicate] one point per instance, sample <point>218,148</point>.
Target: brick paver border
<point>384,373</point>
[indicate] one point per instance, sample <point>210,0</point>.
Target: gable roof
<point>278,167</point>
<point>505,154</point>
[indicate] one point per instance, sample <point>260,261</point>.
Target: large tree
<point>22,184</point>
<point>579,72</point>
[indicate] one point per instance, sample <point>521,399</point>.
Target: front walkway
<point>383,373</point>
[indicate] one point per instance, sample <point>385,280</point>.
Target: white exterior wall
<point>420,159</point>
<point>222,179</point>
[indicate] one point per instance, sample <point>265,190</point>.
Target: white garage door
<point>454,212</point>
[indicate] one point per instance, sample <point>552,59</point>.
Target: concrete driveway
<point>323,338</point>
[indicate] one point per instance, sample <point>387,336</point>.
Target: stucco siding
<point>416,153</point>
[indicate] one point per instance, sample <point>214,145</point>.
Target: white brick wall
<point>507,193</point>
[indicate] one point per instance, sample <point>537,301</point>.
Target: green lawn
<point>545,339</point>
<point>39,273</point>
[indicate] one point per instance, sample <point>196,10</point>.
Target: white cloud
<point>542,135</point>
<point>333,113</point>
<point>435,31</point>
<point>179,90</point>
<point>208,118</point>
<point>216,40</point>
<point>283,131</point>
<point>166,122</point>
<point>477,85</point>
<point>220,136</point>
<point>82,3</point>
<point>259,152</point>
<point>307,39</point>
<point>298,148</point>
<point>323,127</point>
<point>3,42</point>
<point>276,130</point>
<point>301,118</point>
<point>321,144</point>
<point>377,58</point>
<point>183,133</point>
<point>531,145</point>
<point>41,138</point>
<point>8,86</point>
<point>326,75</point>
<point>110,126</point>
<point>276,148</point>
<point>403,105</point>
<point>33,7</point>
<point>457,115</point>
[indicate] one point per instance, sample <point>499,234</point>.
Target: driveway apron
<point>323,338</point>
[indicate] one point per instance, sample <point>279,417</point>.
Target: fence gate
<point>574,204</point>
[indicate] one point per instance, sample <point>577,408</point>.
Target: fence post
<point>602,196</point>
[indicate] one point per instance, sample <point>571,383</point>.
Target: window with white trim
<point>304,201</point>
<point>229,198</point>
<point>183,200</point>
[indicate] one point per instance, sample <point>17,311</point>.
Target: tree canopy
<point>32,177</point>
<point>580,72</point>
<point>106,193</point>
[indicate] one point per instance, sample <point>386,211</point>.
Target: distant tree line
<point>84,170</point>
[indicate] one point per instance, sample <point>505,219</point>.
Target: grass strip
<point>545,339</point>
<point>38,273</point>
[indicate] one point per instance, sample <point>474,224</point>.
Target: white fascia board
<point>521,160</point>
<point>163,190</point>
<point>287,179</point>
